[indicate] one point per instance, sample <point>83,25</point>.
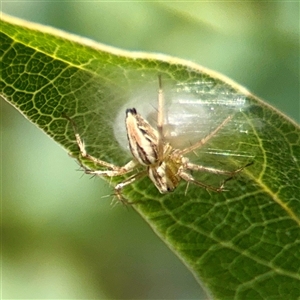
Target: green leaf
<point>242,243</point>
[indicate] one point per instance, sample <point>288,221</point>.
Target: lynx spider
<point>164,165</point>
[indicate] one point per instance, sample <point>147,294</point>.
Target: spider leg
<point>189,178</point>
<point>160,118</point>
<point>112,171</point>
<point>200,168</point>
<point>93,159</point>
<point>115,171</point>
<point>119,187</point>
<point>205,139</point>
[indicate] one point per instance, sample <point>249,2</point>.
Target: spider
<point>163,164</point>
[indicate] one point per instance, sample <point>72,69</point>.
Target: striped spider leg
<point>111,169</point>
<point>163,164</point>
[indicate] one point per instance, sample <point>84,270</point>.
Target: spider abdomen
<point>142,138</point>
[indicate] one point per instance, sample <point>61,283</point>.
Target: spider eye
<point>170,188</point>
<point>131,111</point>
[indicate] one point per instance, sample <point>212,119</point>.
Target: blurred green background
<point>61,238</point>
